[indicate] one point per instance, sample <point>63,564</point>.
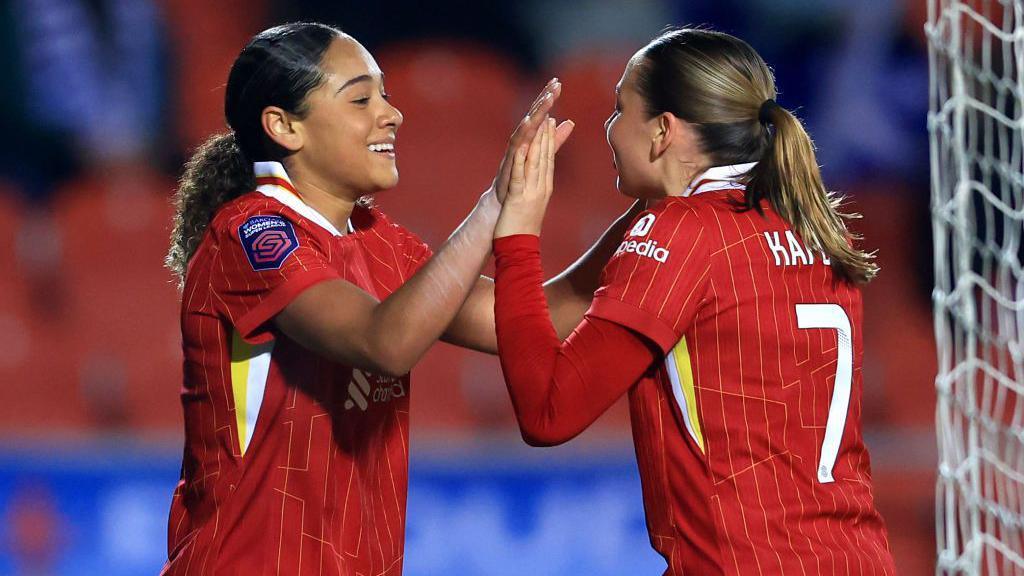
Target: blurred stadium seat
<point>206,42</point>
<point>36,363</point>
<point>897,392</point>
<point>124,306</point>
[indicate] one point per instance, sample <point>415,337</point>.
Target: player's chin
<point>626,189</point>
<point>385,180</point>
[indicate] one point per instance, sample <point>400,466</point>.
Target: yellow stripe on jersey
<point>250,366</point>
<point>680,372</point>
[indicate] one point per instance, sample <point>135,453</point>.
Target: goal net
<point>976,126</point>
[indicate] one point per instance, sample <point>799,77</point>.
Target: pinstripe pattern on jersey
<point>321,488</point>
<point>746,499</point>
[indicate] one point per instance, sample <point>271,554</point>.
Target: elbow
<point>543,436</point>
<point>391,365</point>
<point>386,361</point>
<point>543,423</point>
<point>392,371</point>
<point>542,441</point>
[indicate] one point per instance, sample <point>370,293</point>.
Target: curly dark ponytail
<point>278,67</point>
<point>217,172</point>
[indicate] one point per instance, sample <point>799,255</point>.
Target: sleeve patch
<point>267,241</point>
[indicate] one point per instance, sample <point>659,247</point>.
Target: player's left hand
<point>531,182</point>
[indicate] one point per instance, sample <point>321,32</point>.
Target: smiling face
<point>630,132</point>
<point>348,133</point>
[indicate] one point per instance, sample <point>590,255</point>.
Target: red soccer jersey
<point>748,434</point>
<point>293,464</point>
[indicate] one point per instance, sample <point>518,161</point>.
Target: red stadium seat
<point>898,321</point>
<point>35,361</point>
<point>11,218</point>
<point>460,103</point>
<point>123,307</point>
<point>205,42</point>
<point>905,497</point>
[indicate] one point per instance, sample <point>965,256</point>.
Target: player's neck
<point>328,201</point>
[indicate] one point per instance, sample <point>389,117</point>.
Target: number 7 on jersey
<point>832,316</point>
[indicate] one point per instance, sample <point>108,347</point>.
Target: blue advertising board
<point>496,510</point>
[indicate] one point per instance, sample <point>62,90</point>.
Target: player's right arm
<point>342,322</point>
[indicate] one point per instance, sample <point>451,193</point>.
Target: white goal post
<point>976,126</point>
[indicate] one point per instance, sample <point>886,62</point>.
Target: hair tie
<point>766,108</point>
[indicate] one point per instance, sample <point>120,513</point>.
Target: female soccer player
<point>304,310</point>
<point>730,312</point>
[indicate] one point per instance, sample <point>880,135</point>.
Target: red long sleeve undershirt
<point>557,388</point>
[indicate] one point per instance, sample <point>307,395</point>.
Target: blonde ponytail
<point>788,177</point>
<point>720,84</point>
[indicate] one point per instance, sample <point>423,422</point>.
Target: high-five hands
<point>527,130</point>
<point>531,182</point>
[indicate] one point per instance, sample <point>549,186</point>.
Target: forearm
<point>569,293</point>
<point>412,318</point>
<point>557,388</point>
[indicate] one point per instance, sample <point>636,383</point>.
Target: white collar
<point>285,193</point>
<point>719,178</point>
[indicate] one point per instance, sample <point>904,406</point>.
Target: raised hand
<point>531,181</point>
<point>527,130</point>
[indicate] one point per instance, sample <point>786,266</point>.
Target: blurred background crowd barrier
<point>103,101</point>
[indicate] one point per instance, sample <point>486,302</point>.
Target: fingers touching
<point>527,130</point>
<point>533,158</point>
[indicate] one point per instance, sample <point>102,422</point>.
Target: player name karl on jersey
<point>788,251</point>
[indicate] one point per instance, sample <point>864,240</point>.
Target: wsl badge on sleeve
<point>267,241</point>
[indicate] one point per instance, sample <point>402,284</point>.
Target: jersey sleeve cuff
<point>249,325</point>
<point>516,243</point>
<point>635,319</point>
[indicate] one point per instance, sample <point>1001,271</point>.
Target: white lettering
<point>792,253</point>
<point>796,249</point>
<point>776,247</point>
<point>647,249</point>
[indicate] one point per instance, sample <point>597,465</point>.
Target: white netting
<point>976,55</point>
